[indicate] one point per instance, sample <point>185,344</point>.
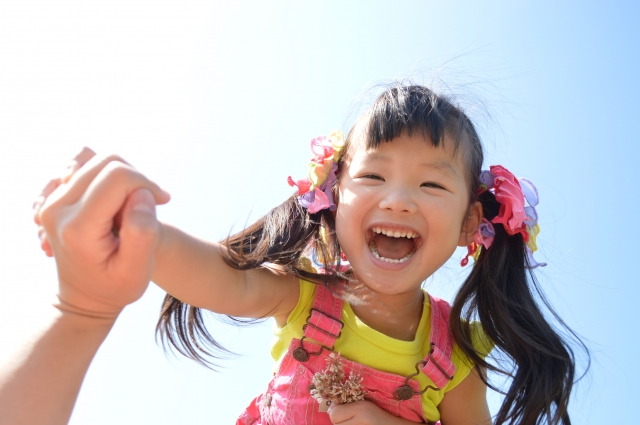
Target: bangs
<point>416,110</point>
<point>413,110</point>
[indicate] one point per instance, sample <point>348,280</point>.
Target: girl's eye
<point>372,176</point>
<point>432,185</point>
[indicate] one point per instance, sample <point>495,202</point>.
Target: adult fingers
<point>42,197</point>
<point>80,180</point>
<point>77,162</point>
<point>37,206</point>
<point>107,194</point>
<point>138,233</point>
<point>44,242</point>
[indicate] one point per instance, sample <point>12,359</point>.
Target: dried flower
<point>330,384</point>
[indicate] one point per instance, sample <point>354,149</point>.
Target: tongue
<point>393,248</point>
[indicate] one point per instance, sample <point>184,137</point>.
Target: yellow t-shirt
<point>362,344</point>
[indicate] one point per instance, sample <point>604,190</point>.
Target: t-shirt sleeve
<point>297,318</point>
<point>463,364</point>
<point>307,291</point>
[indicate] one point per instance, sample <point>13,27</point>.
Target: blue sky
<point>217,101</point>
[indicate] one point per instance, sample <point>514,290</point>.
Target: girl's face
<point>403,209</point>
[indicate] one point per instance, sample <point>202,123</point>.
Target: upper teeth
<point>395,233</point>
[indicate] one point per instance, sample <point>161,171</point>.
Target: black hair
<point>501,291</point>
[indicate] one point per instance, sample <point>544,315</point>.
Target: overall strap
<point>437,364</point>
<point>324,324</point>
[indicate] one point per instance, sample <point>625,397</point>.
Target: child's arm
<point>466,404</point>
<point>195,272</point>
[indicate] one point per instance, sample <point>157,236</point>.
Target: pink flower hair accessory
<point>514,215</point>
<point>314,191</point>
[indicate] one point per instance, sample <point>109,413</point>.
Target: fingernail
<point>144,207</point>
<point>84,153</point>
<point>143,201</point>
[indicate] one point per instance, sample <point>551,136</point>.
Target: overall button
<point>300,355</point>
<point>404,392</point>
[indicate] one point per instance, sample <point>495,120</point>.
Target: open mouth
<point>393,245</point>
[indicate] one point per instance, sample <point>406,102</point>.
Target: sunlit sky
<point>216,101</point>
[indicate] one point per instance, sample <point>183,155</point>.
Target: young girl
<point>394,200</point>
<point>340,266</point>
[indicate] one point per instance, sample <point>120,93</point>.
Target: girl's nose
<point>398,200</point>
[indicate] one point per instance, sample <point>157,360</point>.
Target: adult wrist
<point>83,319</point>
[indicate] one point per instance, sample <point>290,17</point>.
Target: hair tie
<point>314,191</point>
<point>515,216</point>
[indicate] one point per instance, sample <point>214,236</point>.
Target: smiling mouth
<point>393,245</point>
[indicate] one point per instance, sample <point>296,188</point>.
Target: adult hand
<point>98,221</point>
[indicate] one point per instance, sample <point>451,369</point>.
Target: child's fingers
<point>339,413</point>
<point>358,412</point>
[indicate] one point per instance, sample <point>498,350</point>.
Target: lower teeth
<point>374,251</point>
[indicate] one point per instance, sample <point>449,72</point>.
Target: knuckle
<point>47,216</point>
<point>36,214</point>
<point>114,158</point>
<point>49,211</point>
<point>119,171</point>
<point>69,235</point>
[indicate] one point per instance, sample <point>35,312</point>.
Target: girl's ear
<point>470,224</point>
<point>336,196</point>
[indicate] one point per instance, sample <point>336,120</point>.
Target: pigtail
<point>283,238</point>
<point>501,292</point>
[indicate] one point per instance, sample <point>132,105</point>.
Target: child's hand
<point>363,413</point>
<point>99,222</point>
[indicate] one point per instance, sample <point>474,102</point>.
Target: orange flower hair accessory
<point>314,191</point>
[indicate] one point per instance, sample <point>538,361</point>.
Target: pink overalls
<point>287,400</point>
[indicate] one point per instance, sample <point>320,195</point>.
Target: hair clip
<point>514,215</point>
<point>314,191</point>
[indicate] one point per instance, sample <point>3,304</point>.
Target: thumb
<point>138,234</point>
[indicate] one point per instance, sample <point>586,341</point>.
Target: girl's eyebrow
<point>445,166</point>
<point>442,165</point>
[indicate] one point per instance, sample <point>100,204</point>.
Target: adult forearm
<point>40,384</point>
